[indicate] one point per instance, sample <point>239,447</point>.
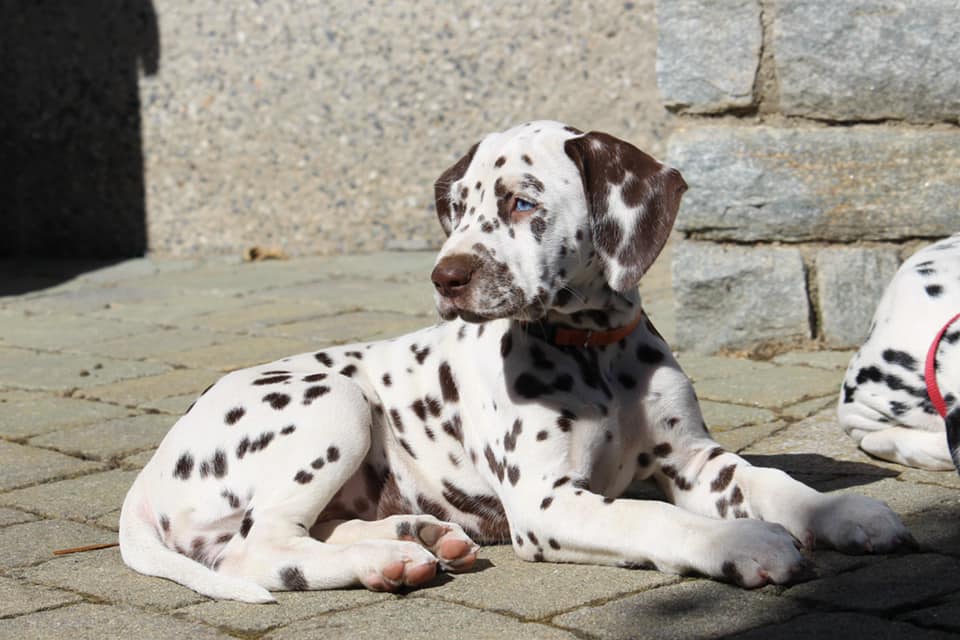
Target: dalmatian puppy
<point>902,388</point>
<point>520,418</point>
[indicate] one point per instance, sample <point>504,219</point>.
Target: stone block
<point>850,282</point>
<point>883,586</point>
<point>702,68</point>
<point>733,297</point>
<point>696,609</point>
<point>83,498</point>
<point>864,60</point>
<point>812,184</point>
<point>154,387</point>
<point>24,466</point>
<point>87,621</point>
<point>25,369</point>
<point>533,591</point>
<point>102,574</point>
<point>108,440</point>
<point>27,413</point>
<point>842,625</point>
<point>32,542</point>
<point>243,619</point>
<point>418,617</point>
<point>17,598</point>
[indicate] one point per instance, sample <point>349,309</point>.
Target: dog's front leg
<point>706,479</point>
<point>559,521</point>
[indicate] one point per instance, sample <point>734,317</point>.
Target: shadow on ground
<point>25,276</point>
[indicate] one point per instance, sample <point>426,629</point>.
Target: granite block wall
<point>821,147</point>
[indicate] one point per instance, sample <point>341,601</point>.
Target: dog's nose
<point>452,274</point>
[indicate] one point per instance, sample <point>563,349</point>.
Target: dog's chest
<point>464,413</point>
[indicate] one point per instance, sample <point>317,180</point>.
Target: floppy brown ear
<point>632,201</point>
<point>449,203</point>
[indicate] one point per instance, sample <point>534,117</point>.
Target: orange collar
<point>563,337</point>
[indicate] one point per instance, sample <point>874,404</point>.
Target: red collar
<point>930,370</point>
<point>563,337</point>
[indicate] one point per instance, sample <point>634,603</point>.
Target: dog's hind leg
<point>911,447</point>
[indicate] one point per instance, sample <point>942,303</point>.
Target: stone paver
<point>92,621</point>
<point>94,370</point>
<point>884,586</point>
<point>32,542</point>
<point>842,625</point>
<point>28,465</point>
<point>79,499</point>
<point>25,369</point>
<point>28,413</point>
<point>18,597</point>
<point>103,575</point>
<point>240,617</point>
<point>111,439</point>
<point>690,610</point>
<point>417,618</point>
<point>153,387</point>
<point>534,591</point>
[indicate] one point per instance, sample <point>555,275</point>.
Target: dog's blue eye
<point>523,206</point>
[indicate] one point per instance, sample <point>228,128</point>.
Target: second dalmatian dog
<point>902,388</point>
<point>522,417</point>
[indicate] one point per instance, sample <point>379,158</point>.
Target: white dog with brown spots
<point>522,417</point>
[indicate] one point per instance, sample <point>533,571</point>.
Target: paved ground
<point>95,367</point>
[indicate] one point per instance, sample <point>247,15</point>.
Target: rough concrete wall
<point>312,125</point>
<point>320,126</point>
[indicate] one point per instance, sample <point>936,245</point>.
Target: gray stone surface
<point>835,360</point>
<point>863,60</point>
<point>689,610</point>
<point>25,369</point>
<point>28,413</point>
<point>96,621</point>
<point>842,625</point>
<point>291,607</point>
<point>17,598</point>
<point>33,542</point>
<point>850,282</point>
<point>838,184</point>
<point>103,575</point>
<point>942,616</point>
<point>108,440</point>
<point>417,618</point>
<point>155,387</point>
<point>27,465</point>
<point>702,68</point>
<point>80,499</point>
<point>535,591</point>
<point>883,586</point>
<point>733,297</point>
<point>14,516</point>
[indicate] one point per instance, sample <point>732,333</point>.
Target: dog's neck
<point>604,310</point>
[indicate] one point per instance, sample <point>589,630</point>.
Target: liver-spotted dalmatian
<point>522,417</point>
<point>902,388</point>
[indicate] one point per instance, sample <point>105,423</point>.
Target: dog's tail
<point>953,435</point>
<point>142,550</point>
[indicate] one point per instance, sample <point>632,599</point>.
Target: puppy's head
<point>531,210</point>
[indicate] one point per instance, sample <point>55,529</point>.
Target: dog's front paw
<point>857,524</point>
<point>752,553</point>
<point>387,565</point>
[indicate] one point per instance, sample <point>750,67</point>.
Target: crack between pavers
<point>53,607</point>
